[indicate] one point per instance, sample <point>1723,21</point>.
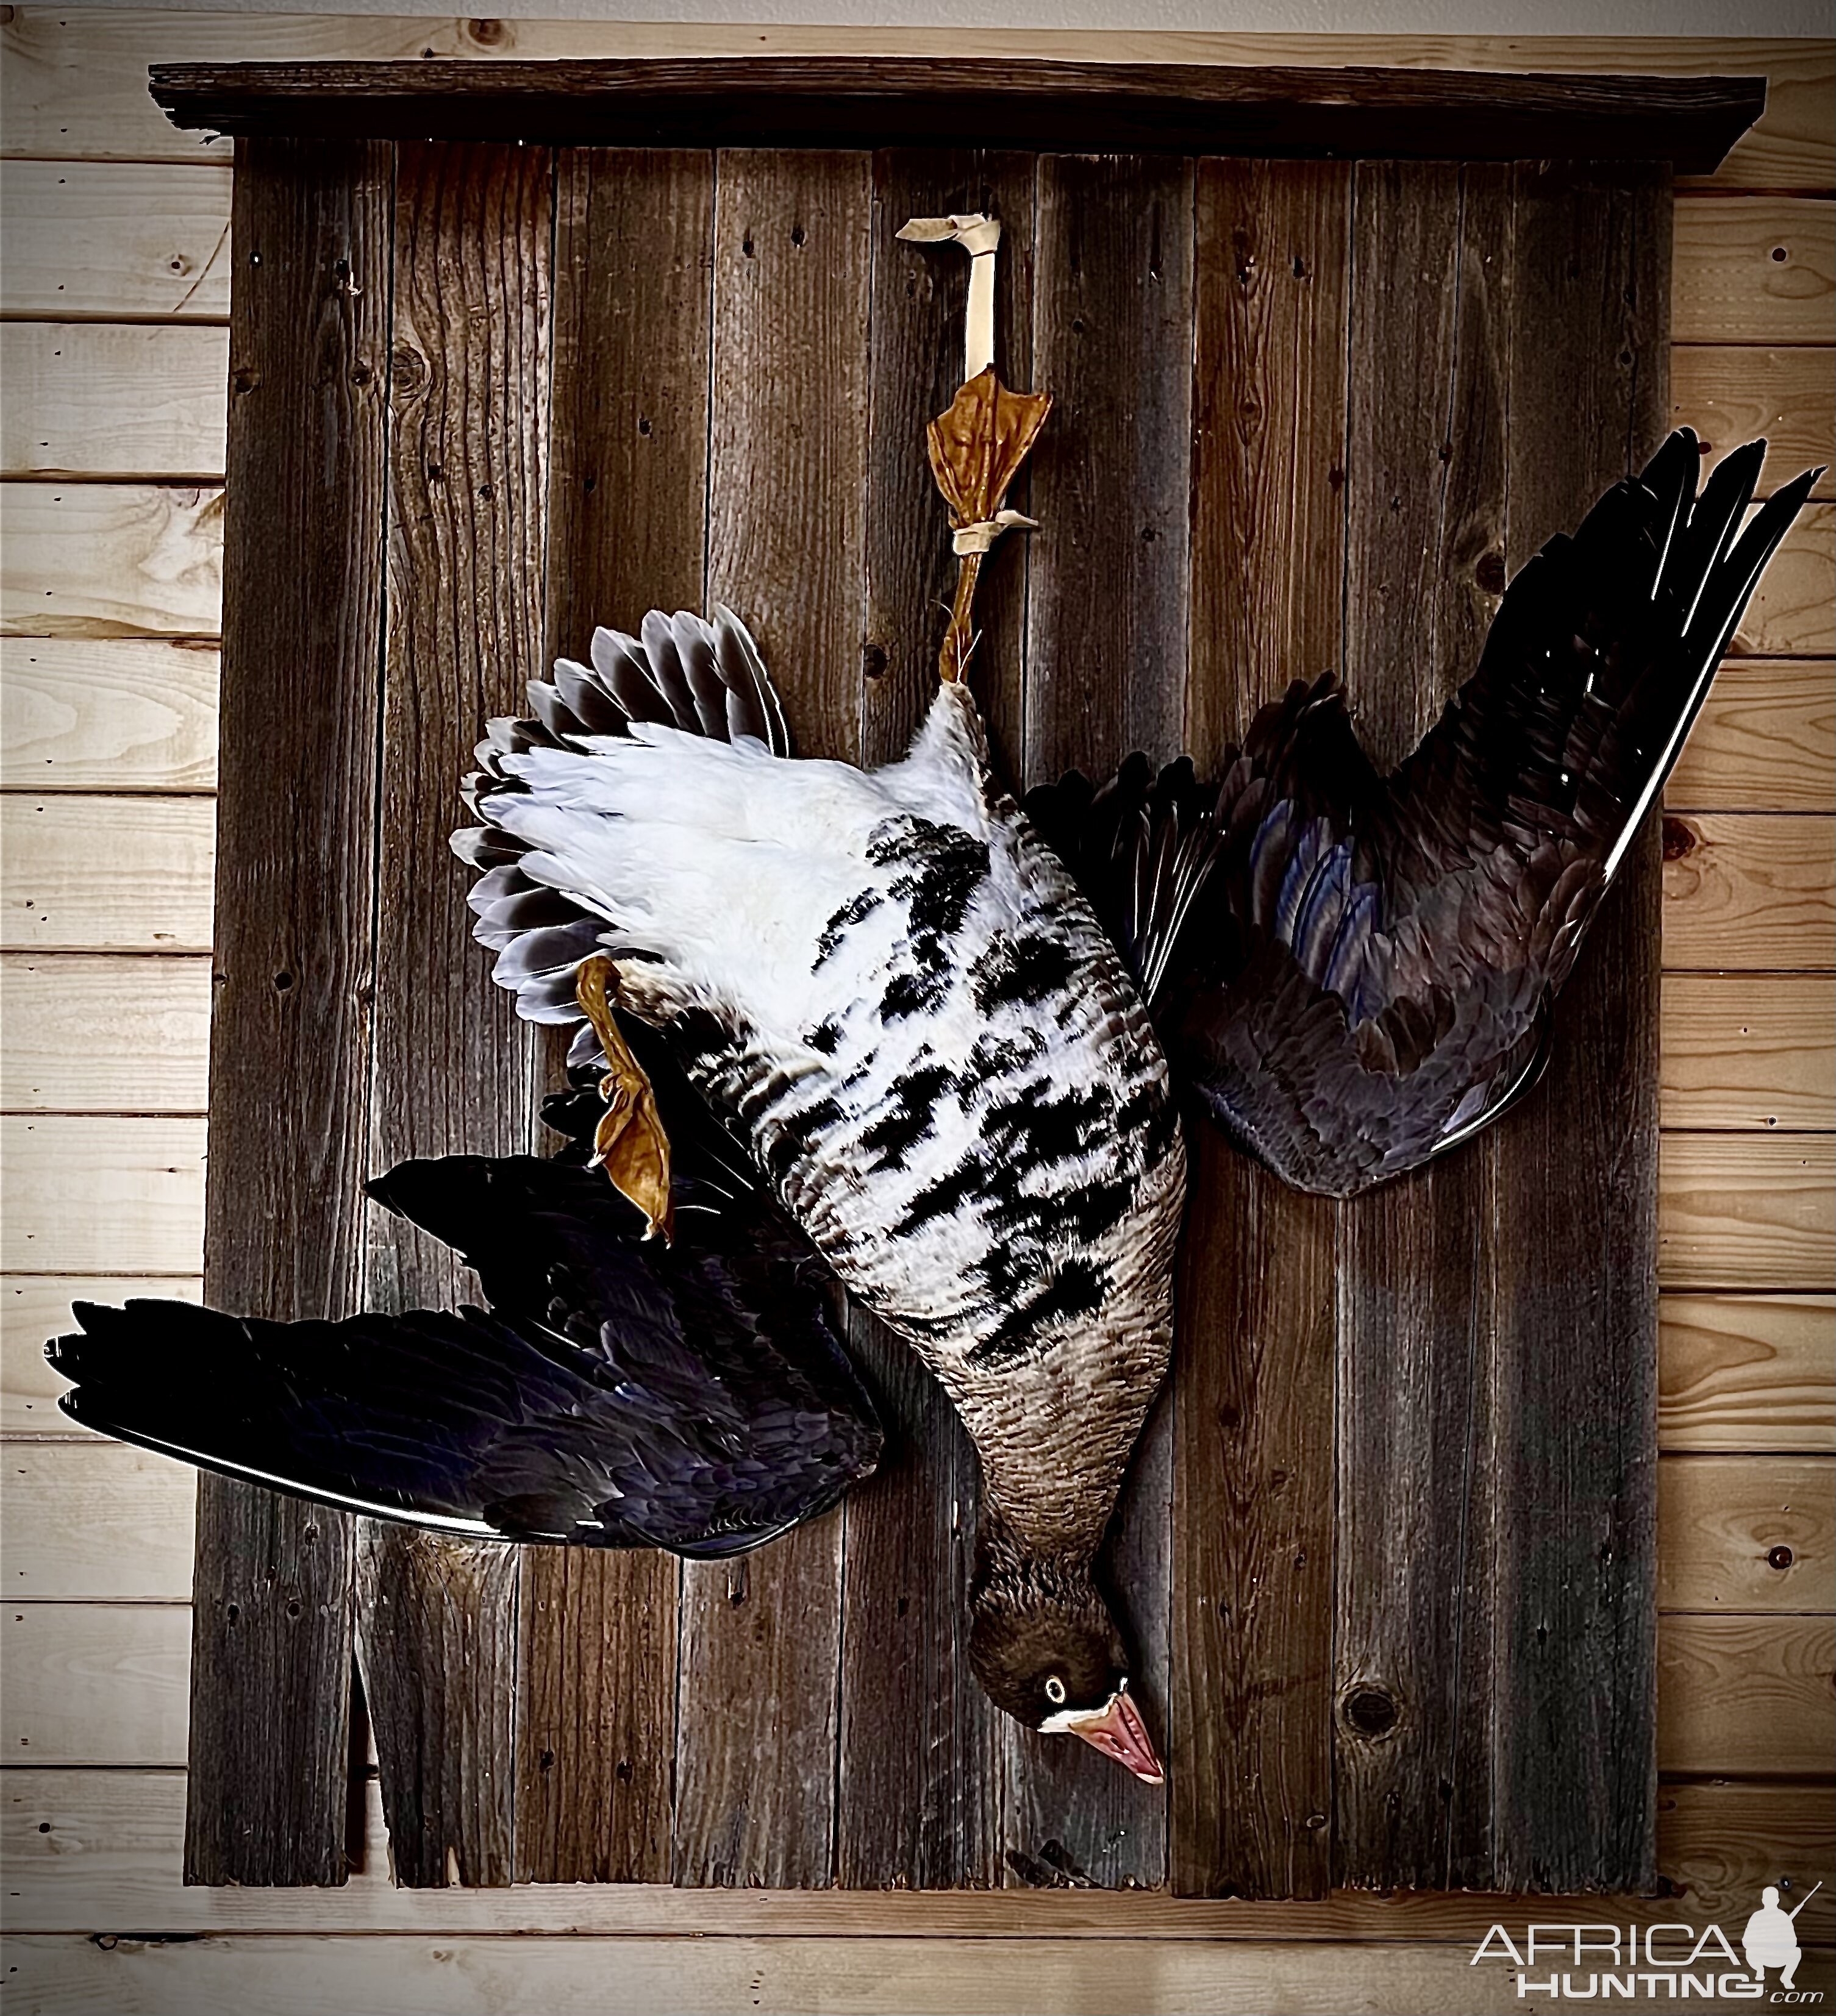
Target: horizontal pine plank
<point>467,1975</point>
<point>114,559</point>
<point>1749,892</point>
<point>1748,1696</point>
<point>86,1851</point>
<point>90,1520</point>
<point>1747,1372</point>
<point>1747,1211</point>
<point>1731,392</point>
<point>1760,270</point>
<point>117,714</point>
<point>96,240</point>
<point>1764,741</point>
<point>114,400</point>
<point>1737,1052</point>
<point>83,1193</point>
<point>94,1683</point>
<point>95,1034</point>
<point>1793,612</point>
<point>76,80</point>
<point>1754,1533</point>
<point>127,874</point>
<point>33,1307</point>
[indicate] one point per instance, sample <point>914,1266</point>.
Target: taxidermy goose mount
<point>893,1028</point>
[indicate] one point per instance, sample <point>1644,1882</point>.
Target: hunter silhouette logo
<point>1658,1962</point>
<point>1771,1937</point>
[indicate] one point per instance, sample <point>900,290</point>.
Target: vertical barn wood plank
<point>1105,674</point>
<point>1252,1437</point>
<point>919,1784</point>
<point>1575,1245</point>
<point>469,402</point>
<point>271,1645</point>
<point>627,531</point>
<point>1430,354</point>
<point>787,467</point>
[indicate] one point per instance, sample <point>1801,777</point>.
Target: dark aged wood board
<point>1259,366</point>
<point>469,390</point>
<point>290,1060</point>
<point>1252,1466</point>
<point>860,102</point>
<point>759,1704</point>
<point>627,529</point>
<point>1430,300</point>
<point>920,1790</point>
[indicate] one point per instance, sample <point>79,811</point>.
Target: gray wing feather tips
<point>681,671</point>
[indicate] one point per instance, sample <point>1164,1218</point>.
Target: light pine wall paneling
<point>1746,1696</point>
<point>33,1307</point>
<point>1764,741</point>
<point>82,1849</point>
<point>1747,1211</point>
<point>93,874</point>
<point>1750,1371</point>
<point>92,1193</point>
<point>1749,892</point>
<point>1730,392</point>
<point>1793,612</point>
<point>1733,1054</point>
<point>110,559</point>
<point>114,400</point>
<point>96,240</point>
<point>118,714</point>
<point>1747,1533</point>
<point>75,82</point>
<point>94,1033</point>
<point>1762,270</point>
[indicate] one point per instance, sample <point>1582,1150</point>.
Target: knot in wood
<point>1370,1711</point>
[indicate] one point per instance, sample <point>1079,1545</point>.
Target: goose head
<point>1046,1650</point>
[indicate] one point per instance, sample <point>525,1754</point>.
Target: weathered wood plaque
<point>1387,1551</point>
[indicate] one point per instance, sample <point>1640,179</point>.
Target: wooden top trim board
<point>868,101</point>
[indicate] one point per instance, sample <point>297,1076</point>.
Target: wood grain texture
<point>76,82</point>
<point>1570,1796</point>
<point>1746,1696</point>
<point>297,814</point>
<point>761,1636</point>
<point>89,1850</point>
<point>1745,892</point>
<point>1420,1520</point>
<point>1732,285</point>
<point>1734,1055</point>
<point>1106,647</point>
<point>114,559</point>
<point>627,530</point>
<point>90,1520</point>
<point>1747,1533</point>
<point>1253,1460</point>
<point>301,1975</point>
<point>88,1034</point>
<point>86,1193</point>
<point>106,874</point>
<point>1793,612</point>
<point>1747,1372</point>
<point>1730,393</point>
<point>99,399</point>
<point>921,1748</point>
<point>83,1849</point>
<point>124,714</point>
<point>1764,741</point>
<point>95,1684</point>
<point>456,1072</point>
<point>1746,1210</point>
<point>114,243</point>
<point>34,1309</point>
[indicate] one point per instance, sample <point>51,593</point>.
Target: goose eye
<point>1054,1691</point>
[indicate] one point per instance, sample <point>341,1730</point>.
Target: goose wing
<point>617,1392</point>
<point>1352,972</point>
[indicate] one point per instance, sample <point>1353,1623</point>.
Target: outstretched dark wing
<point>1353,972</point>
<point>619,1392</point>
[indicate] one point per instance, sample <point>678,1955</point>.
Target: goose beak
<point>1117,1729</point>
